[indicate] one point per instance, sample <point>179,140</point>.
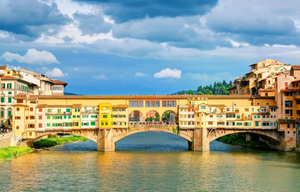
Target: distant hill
<point>218,88</point>
<point>66,93</point>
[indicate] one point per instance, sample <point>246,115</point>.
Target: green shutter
<point>9,113</point>
<point>68,110</point>
<point>9,99</point>
<point>2,113</point>
<point>2,99</point>
<point>93,123</point>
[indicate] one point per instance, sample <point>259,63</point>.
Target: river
<point>152,161</point>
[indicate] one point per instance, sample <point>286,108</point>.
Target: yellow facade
<point>105,112</point>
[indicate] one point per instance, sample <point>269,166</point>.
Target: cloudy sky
<point>146,46</point>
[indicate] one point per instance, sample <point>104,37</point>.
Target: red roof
<point>3,67</point>
<point>20,96</point>
<point>8,77</point>
<point>55,81</point>
<point>297,67</point>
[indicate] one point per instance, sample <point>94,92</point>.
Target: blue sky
<point>118,47</point>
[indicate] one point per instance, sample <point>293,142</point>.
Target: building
<point>261,78</point>
<point>21,83</point>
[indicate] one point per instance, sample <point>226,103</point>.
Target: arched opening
<point>234,141</point>
<point>135,117</point>
<point>152,116</point>
<point>169,117</point>
<point>152,140</point>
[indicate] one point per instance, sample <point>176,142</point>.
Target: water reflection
<point>154,167</point>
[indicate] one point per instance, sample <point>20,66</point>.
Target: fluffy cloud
<point>100,77</point>
<point>168,73</point>
<point>125,10</point>
<point>32,56</point>
<point>56,72</point>
<point>76,69</point>
<point>28,19</point>
<point>140,74</point>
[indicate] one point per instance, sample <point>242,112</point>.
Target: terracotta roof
<point>41,106</point>
<point>32,97</point>
<point>20,96</point>
<point>290,90</point>
<point>297,67</point>
<point>253,64</point>
<point>8,77</point>
<point>76,106</point>
<point>19,105</point>
<point>3,67</point>
<point>58,82</point>
<point>216,105</point>
<point>296,80</point>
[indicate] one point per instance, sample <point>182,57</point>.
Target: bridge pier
<point>105,140</point>
<point>200,141</point>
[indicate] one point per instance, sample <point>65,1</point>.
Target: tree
<point>191,92</point>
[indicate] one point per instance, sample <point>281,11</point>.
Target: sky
<point>146,47</point>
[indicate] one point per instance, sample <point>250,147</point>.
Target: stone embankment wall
<point>6,139</point>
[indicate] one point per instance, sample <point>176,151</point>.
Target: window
<point>31,126</point>
<point>9,93</point>
<point>9,99</point>
<point>18,117</point>
<point>40,117</point>
<point>256,124</point>
<point>106,123</point>
<point>93,123</point>
<point>48,124</point>
<point>246,109</point>
<point>48,117</point>
<point>40,125</point>
<point>157,103</point>
<point>203,107</point>
<point>239,123</point>
<point>49,110</point>
<point>257,103</point>
<point>104,116</point>
<point>267,103</point>
<point>68,110</point>
<point>9,112</point>
<point>17,127</point>
<point>2,99</point>
<point>40,110</point>
<point>8,85</point>
<point>58,111</point>
<point>2,112</point>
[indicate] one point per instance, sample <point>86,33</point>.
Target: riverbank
<point>51,142</point>
<point>239,140</point>
<point>12,152</point>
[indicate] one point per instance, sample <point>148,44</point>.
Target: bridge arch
<point>182,135</point>
<point>89,134</point>
<point>271,136</point>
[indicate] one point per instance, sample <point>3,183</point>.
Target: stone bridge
<point>198,139</point>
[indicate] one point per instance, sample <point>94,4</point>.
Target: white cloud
<point>32,56</point>
<point>168,73</point>
<point>100,77</point>
<point>140,74</point>
<point>76,69</point>
<point>56,72</point>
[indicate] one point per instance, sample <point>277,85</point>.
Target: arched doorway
<point>136,117</point>
<point>152,116</point>
<point>169,117</point>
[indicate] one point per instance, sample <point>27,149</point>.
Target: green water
<point>152,162</point>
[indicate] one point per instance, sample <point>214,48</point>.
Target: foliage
<point>50,142</point>
<point>239,139</point>
<point>218,88</point>
<point>10,152</point>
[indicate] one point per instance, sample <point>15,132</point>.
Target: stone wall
<point>6,139</point>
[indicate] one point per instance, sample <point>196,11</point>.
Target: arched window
<point>2,112</point>
<point>9,112</point>
<point>2,98</point>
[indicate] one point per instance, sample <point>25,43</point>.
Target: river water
<point>152,161</point>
